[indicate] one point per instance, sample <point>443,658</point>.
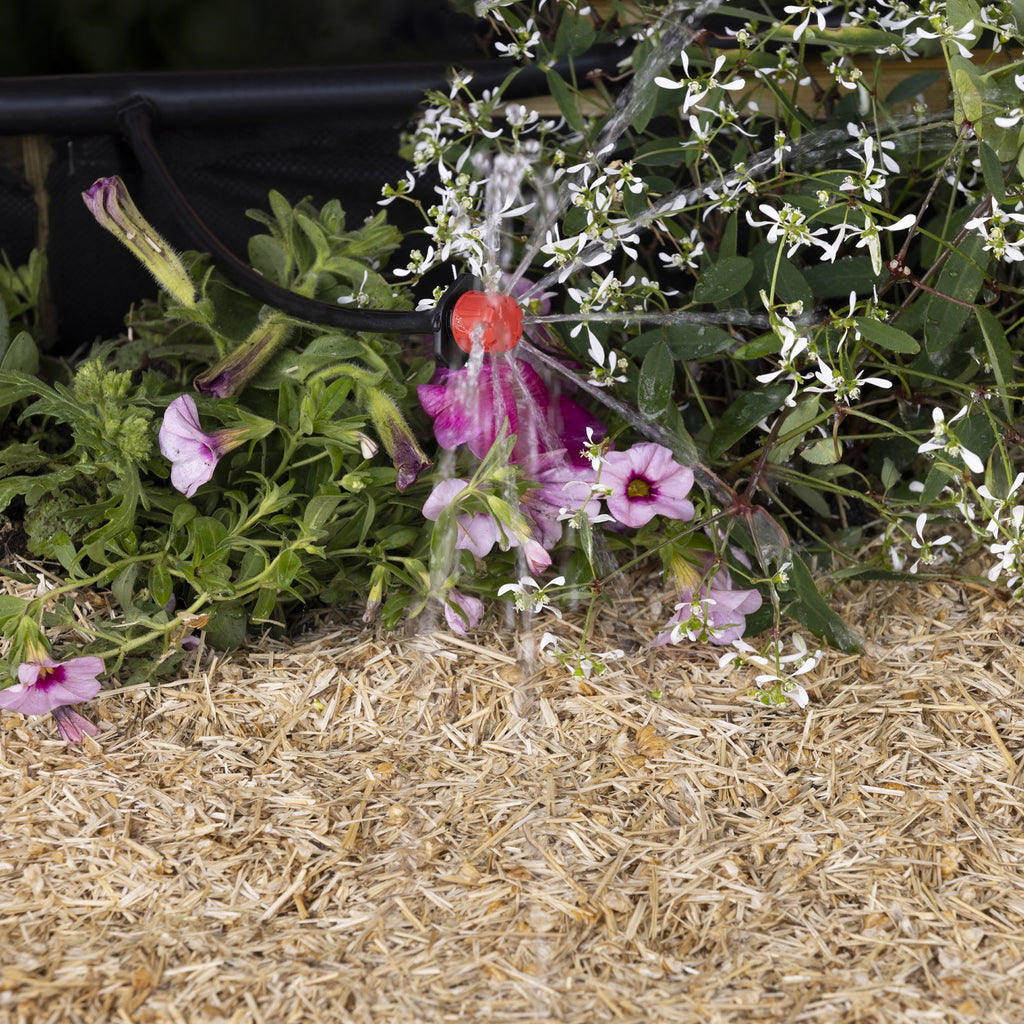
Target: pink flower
<point>477,531</point>
<point>646,481</point>
<point>194,454</point>
<point>712,609</point>
<point>462,611</point>
<point>471,409</point>
<point>46,685</point>
<point>73,727</point>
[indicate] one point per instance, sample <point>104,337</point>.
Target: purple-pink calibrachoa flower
<point>46,686</point>
<point>476,531</point>
<point>194,454</point>
<point>645,481</point>
<point>471,407</point>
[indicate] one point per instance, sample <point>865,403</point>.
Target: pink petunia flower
<point>194,454</point>
<point>73,726</point>
<point>477,531</point>
<point>463,612</point>
<point>47,685</point>
<point>646,481</point>
<point>471,406</point>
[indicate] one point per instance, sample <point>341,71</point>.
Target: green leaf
<point>961,278</point>
<point>160,585</point>
<point>270,258</point>
<point>968,101</point>
<point>684,341</point>
<point>657,376</point>
<point>286,568</point>
<point>910,87</point>
<point>811,609</point>
<point>992,171</point>
<point>885,336</point>
<point>1000,356</point>
<point>226,629</point>
<point>575,35</point>
<point>794,429</point>
<point>744,414</point>
<point>319,510</point>
<point>11,609</point>
<point>566,99</point>
<point>837,280</point>
<point>723,279</point>
<point>822,452</point>
<point>22,356</point>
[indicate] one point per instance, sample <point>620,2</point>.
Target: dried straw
<point>370,828</point>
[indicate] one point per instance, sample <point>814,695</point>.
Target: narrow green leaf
<point>286,567</point>
<point>657,376</point>
<point>992,171</point>
<point>161,587</point>
<point>744,414</point>
<point>886,336</point>
<point>1000,356</point>
<point>566,100</point>
<point>811,609</point>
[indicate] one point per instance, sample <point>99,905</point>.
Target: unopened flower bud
<point>397,438</point>
<point>235,370</point>
<point>110,204</point>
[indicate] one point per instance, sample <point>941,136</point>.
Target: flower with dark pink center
<point>45,685</point>
<point>645,481</point>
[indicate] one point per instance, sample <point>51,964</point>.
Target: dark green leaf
<point>723,279</point>
<point>226,629</point>
<point>575,36</point>
<point>744,414</point>
<point>837,280</point>
<point>566,99</point>
<point>684,341</point>
<point>911,86</point>
<point>811,609</point>
<point>886,336</point>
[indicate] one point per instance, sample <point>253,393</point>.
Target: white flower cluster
<point>780,671</point>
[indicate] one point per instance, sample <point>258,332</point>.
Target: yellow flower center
<point>638,487</point>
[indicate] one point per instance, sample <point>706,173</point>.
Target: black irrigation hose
<point>136,123</point>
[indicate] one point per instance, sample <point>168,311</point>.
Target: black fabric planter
<point>227,138</point>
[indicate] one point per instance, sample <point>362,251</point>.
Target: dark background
<point>49,37</point>
<point>223,170</point>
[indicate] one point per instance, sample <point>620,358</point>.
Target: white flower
<point>529,595</point>
<point>845,389</point>
<point>944,440</point>
<point>809,11</point>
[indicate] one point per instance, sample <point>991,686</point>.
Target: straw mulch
<point>371,828</point>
